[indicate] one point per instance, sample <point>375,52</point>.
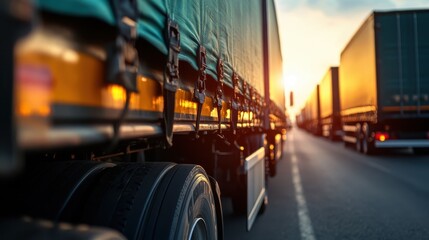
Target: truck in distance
<point>330,105</point>
<point>384,82</point>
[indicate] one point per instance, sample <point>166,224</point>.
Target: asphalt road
<point>326,191</point>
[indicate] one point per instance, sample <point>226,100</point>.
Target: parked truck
<point>384,82</point>
<point>330,105</point>
<point>137,115</point>
<point>311,113</point>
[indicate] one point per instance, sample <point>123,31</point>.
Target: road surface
<point>325,191</point>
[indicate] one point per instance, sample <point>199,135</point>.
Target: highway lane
<point>326,191</point>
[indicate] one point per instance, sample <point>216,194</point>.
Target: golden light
<point>70,56</point>
<point>117,92</point>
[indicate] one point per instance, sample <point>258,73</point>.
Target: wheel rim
<point>198,230</point>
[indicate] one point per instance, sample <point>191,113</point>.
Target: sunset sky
<point>314,32</point>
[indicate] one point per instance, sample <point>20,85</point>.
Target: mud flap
<point>255,169</point>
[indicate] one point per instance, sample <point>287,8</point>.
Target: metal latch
<point>171,79</point>
<point>200,85</point>
<point>235,105</point>
<point>219,93</point>
<point>172,76</point>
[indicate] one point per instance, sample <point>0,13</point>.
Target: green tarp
<point>229,29</point>
<point>86,8</point>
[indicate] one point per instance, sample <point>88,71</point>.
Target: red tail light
<point>381,136</point>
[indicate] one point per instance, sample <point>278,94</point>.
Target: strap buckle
<point>235,105</point>
<point>172,76</point>
<point>219,93</point>
<point>171,80</point>
<point>200,84</point>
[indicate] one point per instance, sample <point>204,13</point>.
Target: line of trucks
<point>378,97</point>
<point>131,118</point>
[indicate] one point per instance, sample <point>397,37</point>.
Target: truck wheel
<point>154,201</point>
<point>358,135</point>
<point>368,147</point>
<point>122,196</point>
<point>186,204</point>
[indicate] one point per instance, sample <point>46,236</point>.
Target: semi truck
<point>135,116</point>
<point>330,105</point>
<point>384,82</point>
<point>311,113</point>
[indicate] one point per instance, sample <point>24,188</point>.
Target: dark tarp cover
<point>86,8</point>
<point>228,29</point>
<point>277,92</point>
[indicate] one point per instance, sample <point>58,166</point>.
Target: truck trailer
<point>135,116</point>
<point>330,105</point>
<point>311,113</point>
<point>384,82</point>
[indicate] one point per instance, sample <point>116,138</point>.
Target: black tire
<point>123,195</point>
<point>186,205</point>
<point>358,135</point>
<point>152,201</point>
<point>368,146</point>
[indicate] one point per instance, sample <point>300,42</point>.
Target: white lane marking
<point>305,226</point>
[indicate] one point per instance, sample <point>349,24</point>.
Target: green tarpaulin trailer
<point>165,104</point>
